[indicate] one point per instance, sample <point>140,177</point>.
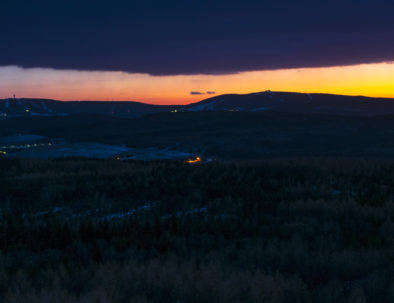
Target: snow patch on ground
<point>264,108</point>
<point>84,214</point>
<point>40,114</point>
<point>120,215</point>
<point>187,212</point>
<point>204,106</point>
<point>152,153</point>
<point>93,150</point>
<point>45,212</point>
<point>201,107</point>
<point>61,149</point>
<point>21,138</point>
<point>267,92</point>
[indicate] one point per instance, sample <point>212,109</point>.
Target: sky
<point>172,52</point>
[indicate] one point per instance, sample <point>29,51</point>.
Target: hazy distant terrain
<point>266,124</point>
<point>254,102</point>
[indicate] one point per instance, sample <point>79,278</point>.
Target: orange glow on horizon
<point>374,80</point>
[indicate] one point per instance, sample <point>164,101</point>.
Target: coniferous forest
<point>275,230</point>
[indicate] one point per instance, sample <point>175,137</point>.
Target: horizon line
<point>257,92</point>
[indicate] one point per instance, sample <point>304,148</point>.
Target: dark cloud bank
<point>189,37</point>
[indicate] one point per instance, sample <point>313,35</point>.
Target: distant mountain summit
<point>254,102</point>
<point>297,103</point>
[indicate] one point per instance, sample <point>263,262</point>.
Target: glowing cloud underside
<point>375,80</point>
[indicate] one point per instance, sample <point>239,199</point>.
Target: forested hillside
<point>288,230</point>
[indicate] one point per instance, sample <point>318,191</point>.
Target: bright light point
<point>196,160</point>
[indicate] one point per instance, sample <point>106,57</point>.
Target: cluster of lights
<point>3,152</point>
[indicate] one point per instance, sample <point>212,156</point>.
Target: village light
<point>197,160</point>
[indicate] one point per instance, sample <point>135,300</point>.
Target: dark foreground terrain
<point>289,230</point>
<point>221,134</point>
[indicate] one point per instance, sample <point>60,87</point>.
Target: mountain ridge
<point>312,103</point>
<point>299,102</point>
